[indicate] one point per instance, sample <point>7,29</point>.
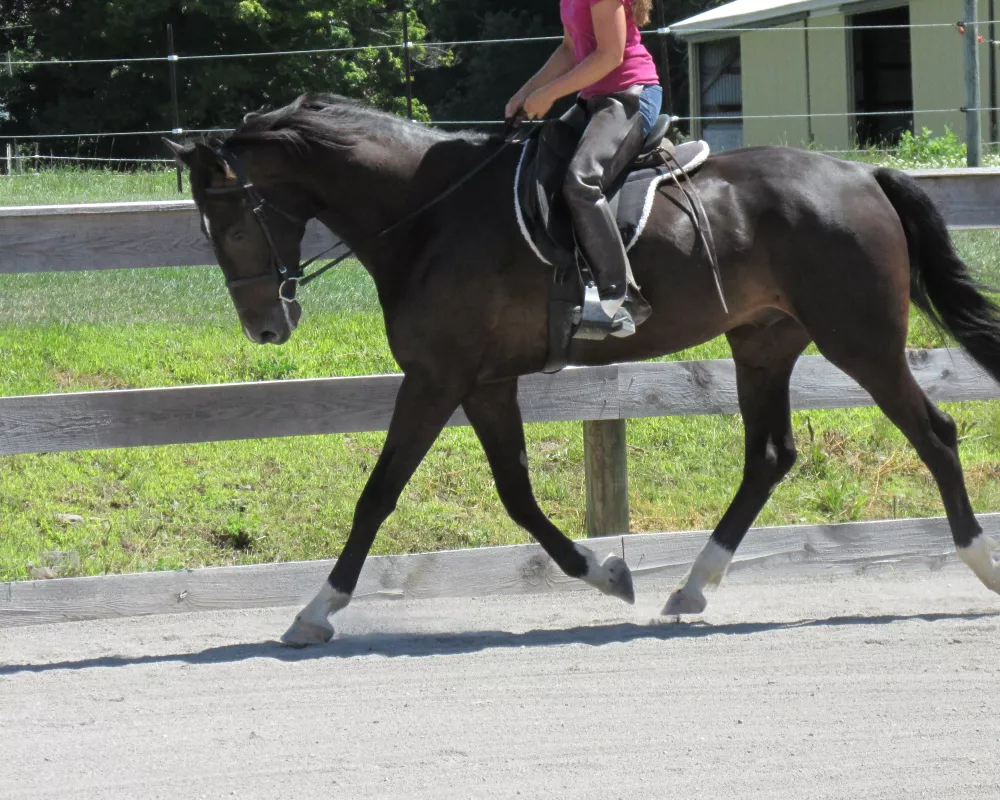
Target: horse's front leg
<point>423,407</point>
<point>496,418</point>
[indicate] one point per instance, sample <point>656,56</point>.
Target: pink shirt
<point>637,64</point>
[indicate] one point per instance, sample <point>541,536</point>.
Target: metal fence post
<point>172,58</point>
<point>606,465</point>
<point>406,60</point>
<point>13,163</point>
<point>991,68</point>
<point>973,122</point>
<point>663,33</point>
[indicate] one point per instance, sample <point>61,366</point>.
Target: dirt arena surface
<point>817,686</point>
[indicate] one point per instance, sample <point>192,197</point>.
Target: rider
<point>603,59</point>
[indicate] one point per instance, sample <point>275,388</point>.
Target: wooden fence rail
<point>143,417</point>
<point>141,235</point>
<point>167,234</point>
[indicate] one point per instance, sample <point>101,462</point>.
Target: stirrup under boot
<point>633,312</point>
<point>596,324</point>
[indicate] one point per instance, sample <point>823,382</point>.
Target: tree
<point>135,96</point>
<point>456,83</point>
<point>485,76</point>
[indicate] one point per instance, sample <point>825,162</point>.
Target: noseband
<point>289,279</point>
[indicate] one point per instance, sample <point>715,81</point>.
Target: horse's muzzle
<point>274,327</point>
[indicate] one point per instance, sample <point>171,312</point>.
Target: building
<point>842,82</point>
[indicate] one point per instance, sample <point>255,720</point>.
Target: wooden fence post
<point>606,466</point>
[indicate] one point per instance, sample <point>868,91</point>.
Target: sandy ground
<point>818,687</point>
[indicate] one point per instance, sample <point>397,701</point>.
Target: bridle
<point>290,278</point>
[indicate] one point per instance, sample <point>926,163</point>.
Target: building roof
<point>752,12</point>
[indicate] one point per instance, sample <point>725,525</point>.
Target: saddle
<point>545,222</point>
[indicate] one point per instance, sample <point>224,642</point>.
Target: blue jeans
<point>650,103</point>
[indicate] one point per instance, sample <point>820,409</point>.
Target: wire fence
<point>269,53</point>
<point>105,134</point>
<point>175,57</point>
<point>48,157</point>
<point>685,31</point>
<point>14,141</point>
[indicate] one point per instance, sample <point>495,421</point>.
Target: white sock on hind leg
<point>708,569</point>
<point>978,556</point>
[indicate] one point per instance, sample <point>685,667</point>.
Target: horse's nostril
<point>268,336</point>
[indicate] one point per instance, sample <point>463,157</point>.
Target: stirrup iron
<point>595,324</point>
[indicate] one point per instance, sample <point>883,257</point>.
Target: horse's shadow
<point>393,645</point>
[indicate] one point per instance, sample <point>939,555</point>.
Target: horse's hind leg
<point>494,413</point>
<point>764,360</point>
<point>933,434</point>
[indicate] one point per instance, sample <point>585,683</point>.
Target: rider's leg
<point>612,139</point>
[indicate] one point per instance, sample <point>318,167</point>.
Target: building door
<point>883,76</point>
<point>720,84</point>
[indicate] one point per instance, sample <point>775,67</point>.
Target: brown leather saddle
<point>546,225</point>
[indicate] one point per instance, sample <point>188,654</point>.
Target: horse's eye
<point>237,234</point>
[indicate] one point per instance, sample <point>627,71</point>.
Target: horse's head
<point>256,234</point>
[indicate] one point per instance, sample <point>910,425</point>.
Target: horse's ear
<point>250,116</point>
<point>202,158</point>
<point>182,153</point>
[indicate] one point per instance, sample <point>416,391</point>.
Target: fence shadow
<point>394,645</point>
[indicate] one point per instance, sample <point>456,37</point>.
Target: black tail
<point>940,283</point>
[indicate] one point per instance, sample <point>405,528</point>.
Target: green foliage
<point>929,150</point>
<point>482,78</point>
<point>462,82</point>
<point>921,151</point>
<point>212,93</point>
<point>488,75</point>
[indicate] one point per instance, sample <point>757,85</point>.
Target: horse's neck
<point>379,183</point>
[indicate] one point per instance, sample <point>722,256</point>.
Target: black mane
<point>335,121</point>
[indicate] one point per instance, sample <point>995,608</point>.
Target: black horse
<point>810,248</point>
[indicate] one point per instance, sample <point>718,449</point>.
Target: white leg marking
<point>979,557</point>
<point>311,625</point>
<point>709,569</point>
<point>612,576</point>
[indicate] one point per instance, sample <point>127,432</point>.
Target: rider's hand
<point>538,104</point>
<point>514,105</point>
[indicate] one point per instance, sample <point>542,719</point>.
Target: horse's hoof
<point>612,576</point>
<point>619,579</point>
<point>303,634</point>
<point>681,602</point>
<point>981,558</point>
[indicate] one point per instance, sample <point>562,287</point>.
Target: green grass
<point>85,185</point>
<point>267,500</point>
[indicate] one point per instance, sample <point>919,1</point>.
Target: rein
<point>291,279</point>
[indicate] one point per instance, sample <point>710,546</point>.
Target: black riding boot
<point>612,138</point>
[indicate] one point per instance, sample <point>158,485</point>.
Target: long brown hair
<point>640,11</point>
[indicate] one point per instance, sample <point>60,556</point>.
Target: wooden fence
<point>140,235</point>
